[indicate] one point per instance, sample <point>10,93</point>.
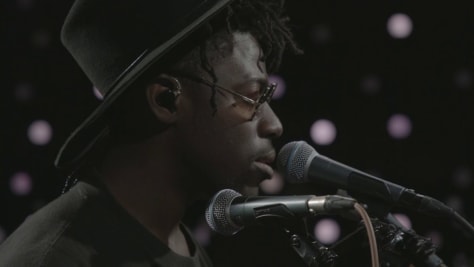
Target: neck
<point>146,183</point>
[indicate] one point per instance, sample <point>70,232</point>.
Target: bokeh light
<point>320,34</point>
<point>463,78</point>
<point>202,233</point>
<point>462,178</point>
<point>41,38</point>
<point>403,219</point>
<point>323,132</point>
<point>97,93</point>
<point>456,203</point>
<point>436,238</point>
<point>3,235</point>
<point>370,84</point>
<point>460,260</point>
<point>281,88</point>
<point>25,4</point>
<point>21,184</point>
<point>327,231</point>
<point>24,91</point>
<point>399,126</point>
<point>40,132</point>
<point>399,26</point>
<point>274,185</point>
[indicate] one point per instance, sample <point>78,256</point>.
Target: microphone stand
<point>311,251</point>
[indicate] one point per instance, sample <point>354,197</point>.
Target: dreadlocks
<point>263,19</point>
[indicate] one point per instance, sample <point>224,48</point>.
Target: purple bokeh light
<point>281,86</point>
<point>21,184</point>
<point>403,219</point>
<point>274,185</point>
<point>323,132</point>
<point>399,126</point>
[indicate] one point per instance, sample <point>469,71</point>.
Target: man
<point>185,113</point>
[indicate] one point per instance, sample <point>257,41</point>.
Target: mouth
<point>264,164</point>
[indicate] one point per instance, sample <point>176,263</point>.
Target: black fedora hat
<point>117,41</point>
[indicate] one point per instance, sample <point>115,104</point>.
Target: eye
<point>253,90</point>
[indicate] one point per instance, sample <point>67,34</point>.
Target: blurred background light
<point>202,233</point>
<point>323,132</point>
<point>327,231</point>
<point>3,235</point>
<point>41,38</point>
<point>399,126</point>
<point>40,132</point>
<point>456,203</point>
<point>462,178</point>
<point>403,219</point>
<point>281,88</point>
<point>436,238</point>
<point>463,78</point>
<point>370,84</point>
<point>24,92</point>
<point>399,26</point>
<point>97,93</point>
<point>320,34</point>
<point>460,260</point>
<point>21,184</point>
<point>25,4</point>
<point>274,185</point>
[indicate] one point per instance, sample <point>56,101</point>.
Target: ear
<point>161,95</point>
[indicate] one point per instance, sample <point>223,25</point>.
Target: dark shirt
<point>86,227</point>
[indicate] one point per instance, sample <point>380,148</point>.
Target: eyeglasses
<point>250,106</point>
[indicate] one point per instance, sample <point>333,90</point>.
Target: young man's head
<point>209,100</point>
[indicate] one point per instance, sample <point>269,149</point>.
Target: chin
<point>249,190</point>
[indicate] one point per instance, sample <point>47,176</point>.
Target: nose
<point>269,125</point>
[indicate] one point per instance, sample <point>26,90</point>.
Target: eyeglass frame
<point>266,95</point>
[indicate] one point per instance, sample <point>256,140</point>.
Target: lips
<point>264,163</point>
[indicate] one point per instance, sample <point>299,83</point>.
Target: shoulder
<point>44,238</point>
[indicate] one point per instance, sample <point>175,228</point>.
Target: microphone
<point>228,211</point>
<point>300,163</point>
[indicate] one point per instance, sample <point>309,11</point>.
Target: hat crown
<point>106,36</point>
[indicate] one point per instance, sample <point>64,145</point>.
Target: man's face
<point>228,150</point>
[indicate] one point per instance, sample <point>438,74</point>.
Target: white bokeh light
<point>403,219</point>
<point>97,93</point>
<point>281,86</point>
<point>399,26</point>
<point>21,184</point>
<point>274,185</point>
<point>327,231</point>
<point>40,132</point>
<point>323,132</point>
<point>399,126</point>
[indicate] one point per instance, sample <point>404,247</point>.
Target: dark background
<point>353,73</point>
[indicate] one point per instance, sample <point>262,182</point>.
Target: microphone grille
<point>292,160</point>
<point>217,213</point>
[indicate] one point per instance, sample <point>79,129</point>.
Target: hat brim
<point>84,138</point>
